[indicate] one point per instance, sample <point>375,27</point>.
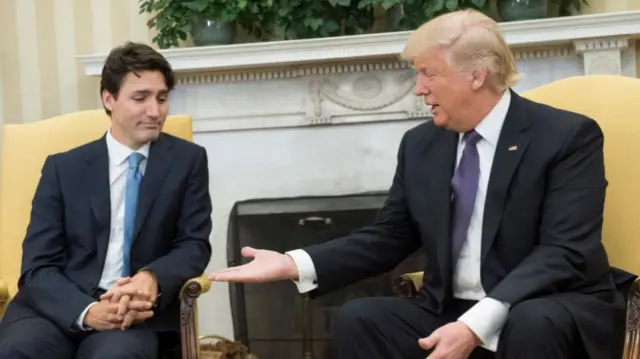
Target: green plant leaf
<point>314,24</point>
<point>283,12</point>
<point>144,6</point>
<point>197,5</point>
<point>364,3</point>
<point>388,4</point>
<point>331,26</point>
<point>158,6</point>
<point>335,3</point>
<point>435,5</point>
<point>452,5</point>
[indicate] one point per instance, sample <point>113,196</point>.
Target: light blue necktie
<point>134,177</point>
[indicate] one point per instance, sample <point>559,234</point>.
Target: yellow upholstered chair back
<point>614,102</point>
<point>24,149</point>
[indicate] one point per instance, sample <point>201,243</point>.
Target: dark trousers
<point>26,335</point>
<point>389,328</point>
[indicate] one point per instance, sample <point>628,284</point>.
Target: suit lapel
<point>440,166</point>
<point>512,144</point>
<point>100,197</point>
<point>157,166</point>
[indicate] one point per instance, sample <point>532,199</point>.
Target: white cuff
<point>486,319</point>
<point>80,319</point>
<point>307,278</point>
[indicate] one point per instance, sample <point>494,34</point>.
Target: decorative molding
<point>369,93</point>
<point>599,44</point>
<point>288,73</point>
<point>260,55</point>
<point>329,69</point>
<point>603,56</point>
<point>207,124</point>
<point>543,52</point>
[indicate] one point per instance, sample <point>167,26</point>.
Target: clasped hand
<point>130,301</point>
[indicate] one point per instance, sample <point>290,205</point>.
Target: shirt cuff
<point>486,319</point>
<point>80,319</point>
<point>307,278</point>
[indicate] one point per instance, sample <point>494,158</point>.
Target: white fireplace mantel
<point>354,79</point>
<point>531,33</point>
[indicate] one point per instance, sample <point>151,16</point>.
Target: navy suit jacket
<point>66,241</point>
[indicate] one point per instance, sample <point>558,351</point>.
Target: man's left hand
<point>452,341</point>
<point>142,290</point>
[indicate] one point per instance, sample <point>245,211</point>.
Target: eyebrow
<point>148,92</point>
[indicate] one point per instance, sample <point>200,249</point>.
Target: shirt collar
<point>118,152</point>
<point>491,125</point>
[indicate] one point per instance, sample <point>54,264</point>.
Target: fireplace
<point>273,319</point>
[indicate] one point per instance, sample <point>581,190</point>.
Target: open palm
<point>266,266</point>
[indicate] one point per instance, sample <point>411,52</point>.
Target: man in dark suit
<point>117,227</point>
<point>505,196</point>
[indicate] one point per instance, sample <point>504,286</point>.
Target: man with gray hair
<point>506,197</point>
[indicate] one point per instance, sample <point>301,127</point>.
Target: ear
<point>108,100</point>
<point>479,77</point>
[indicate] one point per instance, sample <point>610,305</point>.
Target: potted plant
<point>304,19</point>
<point>405,15</point>
<point>513,10</point>
<point>208,22</point>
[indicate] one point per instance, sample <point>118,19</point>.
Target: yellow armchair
<point>612,102</point>
<point>24,149</point>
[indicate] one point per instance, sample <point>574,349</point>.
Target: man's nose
<point>153,109</point>
<point>421,90</point>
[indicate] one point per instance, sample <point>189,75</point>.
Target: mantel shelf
<point>530,33</point>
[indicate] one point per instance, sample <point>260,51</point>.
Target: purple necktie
<point>465,187</point>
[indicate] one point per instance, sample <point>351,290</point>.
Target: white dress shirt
<point>487,317</point>
<point>118,164</point>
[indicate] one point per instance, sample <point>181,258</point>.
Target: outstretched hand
<point>266,266</point>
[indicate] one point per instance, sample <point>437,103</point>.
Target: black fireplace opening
<point>272,319</point>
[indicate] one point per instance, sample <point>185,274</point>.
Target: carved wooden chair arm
<point>408,284</point>
<point>632,336</point>
<point>4,297</point>
<point>195,287</point>
<point>189,294</point>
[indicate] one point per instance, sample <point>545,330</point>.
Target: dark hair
<point>131,58</point>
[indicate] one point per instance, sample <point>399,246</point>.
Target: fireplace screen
<point>273,319</point>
